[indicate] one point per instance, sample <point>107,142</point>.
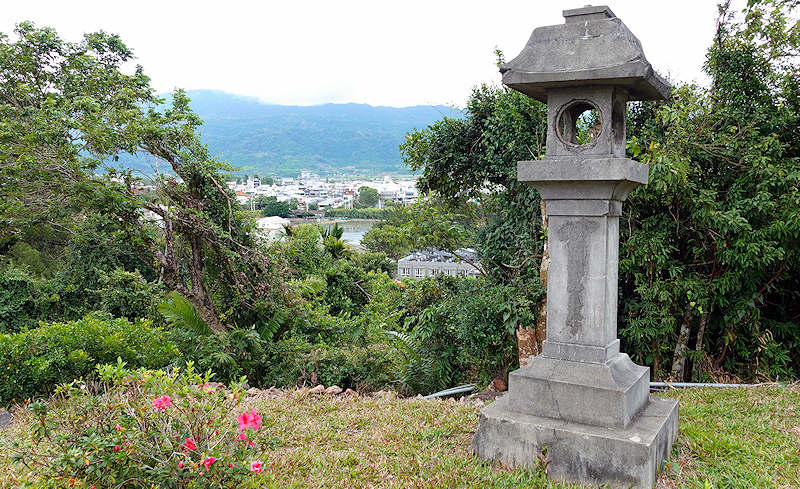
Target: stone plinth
<point>626,458</point>
<point>608,394</point>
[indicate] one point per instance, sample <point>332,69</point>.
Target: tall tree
<point>473,159</point>
<point>711,248</point>
<point>367,197</point>
<point>67,111</point>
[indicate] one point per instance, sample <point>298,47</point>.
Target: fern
<point>178,311</point>
<point>336,231</point>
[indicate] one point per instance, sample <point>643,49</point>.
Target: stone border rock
<point>5,418</point>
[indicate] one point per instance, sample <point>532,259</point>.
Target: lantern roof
<point>593,47</point>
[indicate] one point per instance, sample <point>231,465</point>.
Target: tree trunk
<point>679,358</point>
<point>701,330</point>
<point>529,340</point>
<point>656,360</point>
<point>198,294</point>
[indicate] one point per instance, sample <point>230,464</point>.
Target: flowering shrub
<point>147,429</point>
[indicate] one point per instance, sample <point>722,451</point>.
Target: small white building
<point>430,262</point>
<point>271,227</point>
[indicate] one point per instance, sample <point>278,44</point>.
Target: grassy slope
<point>730,438</point>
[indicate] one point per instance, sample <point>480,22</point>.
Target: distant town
<point>312,192</point>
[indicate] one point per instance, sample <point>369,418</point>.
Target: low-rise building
<point>430,262</point>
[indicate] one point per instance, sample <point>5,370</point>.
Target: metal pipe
<point>683,385</point>
<point>654,386</point>
<point>452,391</point>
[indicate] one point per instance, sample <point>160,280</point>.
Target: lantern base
<point>619,457</point>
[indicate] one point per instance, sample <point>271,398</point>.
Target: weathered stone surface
<point>592,45</point>
<point>5,418</point>
<point>319,389</point>
<point>350,393</point>
<point>333,390</point>
<point>624,458</point>
<point>601,394</point>
<point>582,399</point>
<point>556,177</point>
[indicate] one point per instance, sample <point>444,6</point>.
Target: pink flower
<point>189,444</point>
<point>180,464</point>
<point>249,420</point>
<point>117,448</point>
<point>256,467</point>
<point>243,437</point>
<point>119,427</point>
<point>162,403</point>
<point>209,462</point>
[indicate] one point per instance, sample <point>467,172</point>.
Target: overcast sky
<point>396,53</point>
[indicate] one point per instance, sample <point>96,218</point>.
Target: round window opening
<point>579,123</point>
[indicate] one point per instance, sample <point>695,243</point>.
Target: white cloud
<point>381,53</point>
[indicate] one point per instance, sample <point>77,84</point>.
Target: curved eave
<point>638,77</point>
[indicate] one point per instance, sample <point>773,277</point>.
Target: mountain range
<point>329,139</point>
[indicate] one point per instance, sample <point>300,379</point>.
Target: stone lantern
<point>581,403</point>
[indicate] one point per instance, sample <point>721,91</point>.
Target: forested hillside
<point>282,140</point>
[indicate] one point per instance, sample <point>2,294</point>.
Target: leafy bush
<point>345,292</point>
<point>33,361</point>
<point>147,429</point>
<point>127,294</point>
<point>365,213</point>
<point>19,300</point>
<point>370,261</point>
<point>457,330</point>
<point>295,361</point>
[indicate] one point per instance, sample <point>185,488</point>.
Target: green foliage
<point>25,301</point>
<point>713,243</point>
<point>364,213</point>
<point>159,429</point>
<point>461,159</point>
<point>374,262</point>
<point>178,311</point>
<point>270,206</point>
<point>367,197</point>
<point>22,255</point>
<point>128,295</point>
<point>344,292</point>
<point>19,300</point>
<point>61,96</point>
<point>394,241</point>
<point>35,360</point>
<point>335,231</point>
<point>429,223</point>
<point>297,361</point>
<point>457,330</point>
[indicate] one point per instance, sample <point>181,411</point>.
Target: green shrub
<point>371,261</point>
<point>35,360</point>
<point>128,295</point>
<point>19,300</point>
<point>457,330</point>
<point>365,213</point>
<point>25,300</point>
<point>296,361</point>
<point>147,429</point>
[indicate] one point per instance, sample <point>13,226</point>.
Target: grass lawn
<point>738,438</point>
